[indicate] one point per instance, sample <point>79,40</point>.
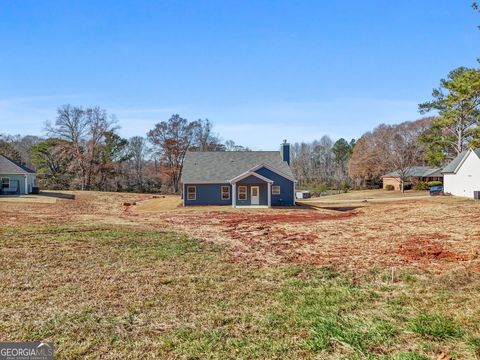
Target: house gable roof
<point>248,174</point>
<point>454,165</point>
<point>417,171</point>
<point>11,167</point>
<point>223,166</point>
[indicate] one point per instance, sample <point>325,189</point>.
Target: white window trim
<point>279,189</point>
<point>188,193</point>
<point>226,192</point>
<point>242,190</point>
<point>4,177</point>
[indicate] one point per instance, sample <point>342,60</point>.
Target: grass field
<point>388,280</point>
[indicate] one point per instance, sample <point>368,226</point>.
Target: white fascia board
<point>250,173</point>
<point>463,160</point>
<point>272,169</point>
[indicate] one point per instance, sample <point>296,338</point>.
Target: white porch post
<point>234,195</point>
<point>26,185</point>
<point>183,195</point>
<point>269,194</point>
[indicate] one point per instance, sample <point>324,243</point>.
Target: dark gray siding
<point>207,194</point>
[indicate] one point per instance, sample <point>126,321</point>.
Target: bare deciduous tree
<point>172,139</point>
<point>404,150</point>
<point>138,150</point>
<point>388,148</point>
<point>82,133</point>
<point>71,127</point>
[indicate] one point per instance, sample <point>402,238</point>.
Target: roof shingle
<point>11,167</point>
<point>222,166</point>
<point>418,171</point>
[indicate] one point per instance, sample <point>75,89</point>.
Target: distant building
<point>238,178</point>
<point>462,175</point>
<point>415,174</point>
<point>15,179</point>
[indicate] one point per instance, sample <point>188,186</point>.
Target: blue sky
<point>261,71</point>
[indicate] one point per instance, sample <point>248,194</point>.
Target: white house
<point>462,176</point>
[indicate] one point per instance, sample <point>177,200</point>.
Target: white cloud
<point>257,125</point>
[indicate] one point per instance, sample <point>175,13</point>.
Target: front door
<point>255,195</point>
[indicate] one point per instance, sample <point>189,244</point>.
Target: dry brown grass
<point>36,199</point>
<point>376,194</point>
<point>435,234</point>
<point>104,280</point>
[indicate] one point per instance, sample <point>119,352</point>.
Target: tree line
<point>322,164</point>
<point>83,150</point>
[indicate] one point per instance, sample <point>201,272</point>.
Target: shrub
<point>421,185</point>
<point>389,187</point>
<point>434,183</point>
<point>345,186</point>
<point>437,326</point>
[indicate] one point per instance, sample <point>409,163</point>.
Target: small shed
<point>302,194</point>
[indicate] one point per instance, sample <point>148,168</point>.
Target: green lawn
<point>104,292</point>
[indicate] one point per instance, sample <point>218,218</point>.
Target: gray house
<point>238,178</point>
<point>15,178</point>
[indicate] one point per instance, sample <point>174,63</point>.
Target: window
<point>5,183</point>
<point>242,193</point>
<point>276,190</point>
<point>225,192</point>
<point>191,193</point>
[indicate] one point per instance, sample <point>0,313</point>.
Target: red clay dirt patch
<point>420,248</point>
<point>284,218</point>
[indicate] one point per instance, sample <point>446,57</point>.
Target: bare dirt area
<point>434,234</point>
<point>111,275</point>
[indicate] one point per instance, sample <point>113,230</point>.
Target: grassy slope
<point>119,292</point>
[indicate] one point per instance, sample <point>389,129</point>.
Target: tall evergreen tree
<point>456,127</point>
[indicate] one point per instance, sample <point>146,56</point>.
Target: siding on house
<point>210,194</point>
<point>263,191</point>
<point>207,194</point>
<point>17,183</point>
<point>466,180</point>
<point>394,181</point>
<point>287,187</point>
